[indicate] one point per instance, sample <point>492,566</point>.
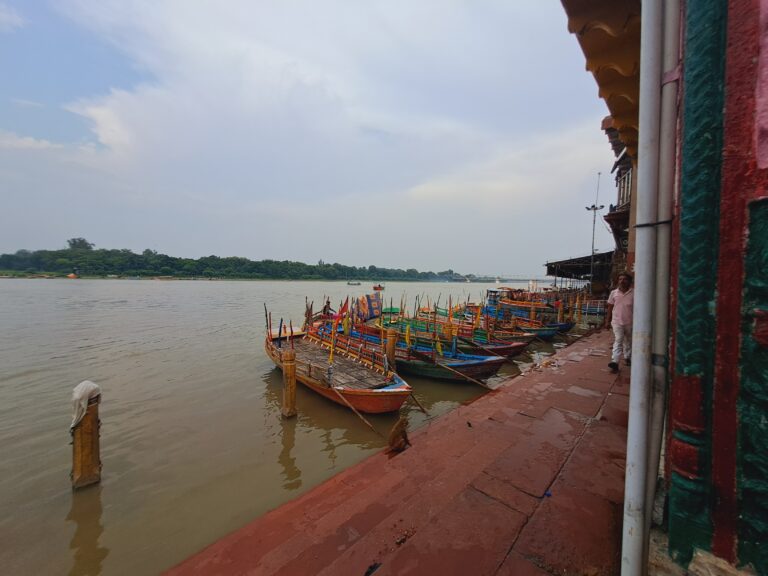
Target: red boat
<point>378,287</point>
<point>355,379</point>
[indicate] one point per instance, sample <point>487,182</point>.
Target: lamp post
<point>594,208</point>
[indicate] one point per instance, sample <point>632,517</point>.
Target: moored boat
<point>506,349</point>
<point>456,367</point>
<point>561,327</point>
<point>465,345</point>
<point>433,361</point>
<point>355,378</point>
<point>545,333</point>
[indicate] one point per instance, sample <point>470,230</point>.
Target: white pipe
<point>667,171</point>
<point>633,560</point>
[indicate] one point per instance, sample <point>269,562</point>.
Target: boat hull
<point>375,401</point>
<point>545,333</point>
<point>474,370</point>
<point>366,401</point>
<point>561,327</point>
<point>507,350</point>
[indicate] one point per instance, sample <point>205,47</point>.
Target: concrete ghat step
<point>475,476</point>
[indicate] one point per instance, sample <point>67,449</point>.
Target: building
<point>687,94</point>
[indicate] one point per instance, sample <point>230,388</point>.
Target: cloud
<point>21,103</point>
<point>9,19</point>
<point>260,127</point>
<point>11,141</point>
<point>542,167</point>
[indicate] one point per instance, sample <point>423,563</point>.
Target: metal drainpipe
<point>633,559</point>
<point>667,167</point>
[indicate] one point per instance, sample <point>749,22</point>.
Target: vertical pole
<point>634,561</point>
<point>667,177</point>
<point>86,459</point>
<point>592,252</point>
<point>289,383</point>
<point>391,343</point>
<point>594,208</point>
<point>578,309</point>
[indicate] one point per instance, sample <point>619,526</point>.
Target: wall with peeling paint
<point>718,446</point>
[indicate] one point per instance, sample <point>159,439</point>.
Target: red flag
<point>343,310</point>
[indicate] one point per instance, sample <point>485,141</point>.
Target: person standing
<point>618,315</point>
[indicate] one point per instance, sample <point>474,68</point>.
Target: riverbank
<point>16,275</point>
<point>528,479</point>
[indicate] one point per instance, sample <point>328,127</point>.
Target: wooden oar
<point>413,397</point>
<point>340,395</point>
<point>428,358</point>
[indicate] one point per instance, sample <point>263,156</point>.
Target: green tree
<point>80,244</point>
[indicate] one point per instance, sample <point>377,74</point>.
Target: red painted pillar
<point>739,162</point>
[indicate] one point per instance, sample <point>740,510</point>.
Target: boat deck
<point>312,360</point>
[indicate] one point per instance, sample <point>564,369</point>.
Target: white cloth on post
<point>81,394</point>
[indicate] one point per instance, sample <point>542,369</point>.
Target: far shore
<point>205,279</point>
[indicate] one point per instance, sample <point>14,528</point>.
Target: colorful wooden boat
<point>424,360</point>
<point>480,336</point>
<point>506,349</point>
<point>469,345</point>
<point>561,327</point>
<point>545,333</point>
<point>356,378</point>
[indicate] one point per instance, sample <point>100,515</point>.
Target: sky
<point>439,134</point>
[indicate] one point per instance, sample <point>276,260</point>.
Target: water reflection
<point>330,447</point>
<point>335,426</point>
<point>85,512</point>
<point>291,472</point>
<point>318,414</point>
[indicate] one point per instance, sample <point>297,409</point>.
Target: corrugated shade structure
<point>578,268</point>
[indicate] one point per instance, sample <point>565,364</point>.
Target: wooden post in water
<point>560,308</point>
<point>289,383</point>
<point>86,460</point>
<point>391,343</point>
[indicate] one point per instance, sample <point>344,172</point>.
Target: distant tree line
<point>81,257</point>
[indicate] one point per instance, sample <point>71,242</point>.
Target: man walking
<point>618,315</point>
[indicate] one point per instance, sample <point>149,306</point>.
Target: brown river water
<point>192,442</point>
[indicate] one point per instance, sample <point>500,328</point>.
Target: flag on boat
<point>362,308</point>
<point>343,310</point>
<point>374,305</point>
<point>438,346</point>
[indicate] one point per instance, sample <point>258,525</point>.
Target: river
<point>192,442</point>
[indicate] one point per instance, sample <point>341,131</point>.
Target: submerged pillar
<point>86,459</point>
<point>289,383</point>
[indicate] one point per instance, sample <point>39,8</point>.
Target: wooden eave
<point>608,32</point>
